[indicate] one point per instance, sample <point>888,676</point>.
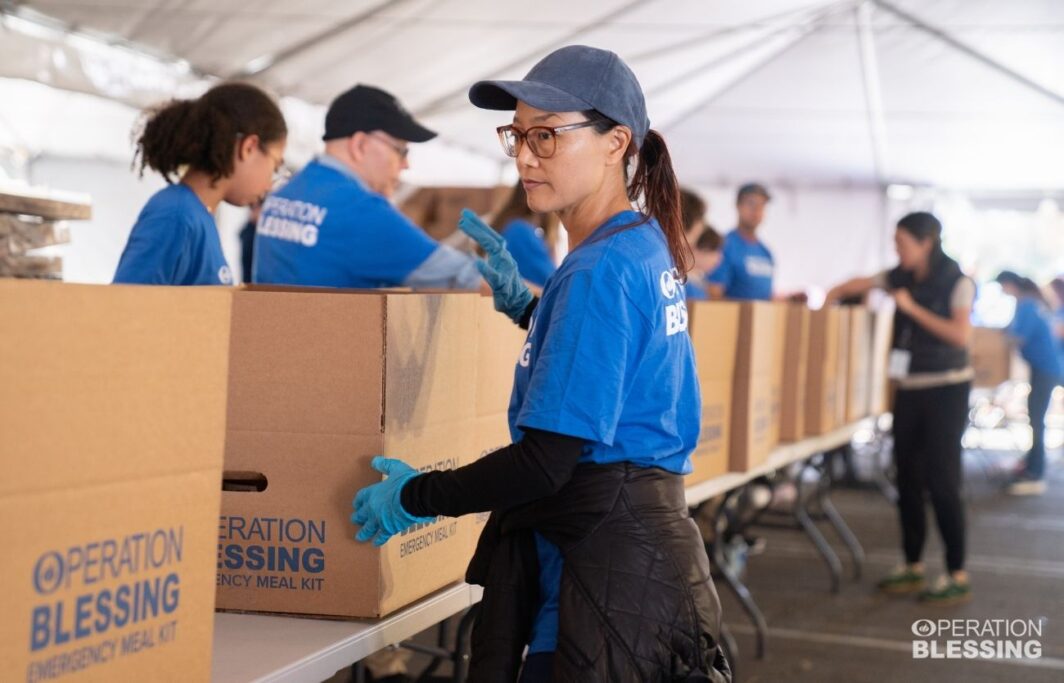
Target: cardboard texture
<point>756,359</point>
<point>779,351</point>
<point>857,391</point>
<point>879,383</point>
<point>112,410</point>
<point>822,384</point>
<point>991,356</point>
<point>320,382</point>
<point>795,359</point>
<point>714,329</point>
<point>437,209</point>
<point>842,375</point>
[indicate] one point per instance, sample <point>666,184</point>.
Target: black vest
<point>929,353</point>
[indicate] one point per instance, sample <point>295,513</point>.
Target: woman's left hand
<point>903,299</point>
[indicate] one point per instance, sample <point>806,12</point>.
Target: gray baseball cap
<point>573,78</point>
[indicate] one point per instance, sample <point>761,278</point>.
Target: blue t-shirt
<point>695,291</point>
<point>529,250</point>
<point>745,270</point>
<point>174,242</point>
<point>1033,327</point>
<point>324,228</point>
<point>608,359</point>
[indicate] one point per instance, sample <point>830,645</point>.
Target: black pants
<point>928,426</point>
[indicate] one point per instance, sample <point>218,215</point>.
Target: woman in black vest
<point>929,363</point>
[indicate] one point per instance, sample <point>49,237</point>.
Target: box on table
<point>991,356</point>
<point>882,339</point>
<point>822,369</point>
<point>858,388</point>
<point>779,353</point>
<point>842,376</point>
<point>320,382</point>
<point>112,410</point>
<point>795,360</point>
<point>756,359</point>
<point>714,329</point>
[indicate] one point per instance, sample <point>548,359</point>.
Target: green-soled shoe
<point>946,591</point>
<point>902,581</point>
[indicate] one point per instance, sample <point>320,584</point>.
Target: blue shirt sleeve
<point>583,372</point>
<point>389,246</point>
<point>445,268</point>
<point>1024,320</point>
<point>156,254</point>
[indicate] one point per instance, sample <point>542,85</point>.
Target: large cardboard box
<point>320,382</point>
<point>795,359</point>
<point>858,388</point>
<point>500,345</point>
<point>991,356</point>
<point>842,376</point>
<point>437,209</point>
<point>112,416</point>
<point>821,413</point>
<point>714,329</point>
<point>879,383</point>
<point>756,359</point>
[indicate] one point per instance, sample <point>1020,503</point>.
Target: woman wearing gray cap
<point>590,558</point>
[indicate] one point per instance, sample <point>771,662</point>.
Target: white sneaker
<point>1026,487</point>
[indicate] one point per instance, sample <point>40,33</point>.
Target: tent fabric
<point>954,93</point>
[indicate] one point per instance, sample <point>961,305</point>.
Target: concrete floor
<point>1016,563</point>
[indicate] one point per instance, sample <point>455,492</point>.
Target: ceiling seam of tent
<point>962,47</point>
<point>870,80</point>
<point>814,23</point>
<point>438,104</point>
<point>251,70</point>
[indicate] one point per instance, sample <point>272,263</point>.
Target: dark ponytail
<point>923,225</point>
<point>202,134</point>
<point>1025,285</point>
<point>655,188</point>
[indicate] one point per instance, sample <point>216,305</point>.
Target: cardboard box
<point>795,359</point>
<point>991,356</point>
<point>437,209</point>
<point>714,329</point>
<point>822,384</point>
<point>882,339</point>
<point>500,344</point>
<point>756,359</point>
<point>779,351</point>
<point>858,388</point>
<point>320,382</point>
<point>842,376</point>
<point>112,411</point>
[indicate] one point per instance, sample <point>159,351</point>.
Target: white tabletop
<point>254,647</point>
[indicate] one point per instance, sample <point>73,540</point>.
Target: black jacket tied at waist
<point>636,603</point>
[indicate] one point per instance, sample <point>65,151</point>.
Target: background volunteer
<point>1032,328</point>
<point>604,411</point>
<point>332,224</point>
<point>231,141</point>
<point>746,267</point>
<point>525,238</point>
<point>929,360</point>
<point>704,241</point>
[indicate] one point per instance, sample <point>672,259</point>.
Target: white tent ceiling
<point>955,93</point>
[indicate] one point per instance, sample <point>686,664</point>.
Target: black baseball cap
<point>753,188</point>
<point>573,78</point>
<point>364,108</point>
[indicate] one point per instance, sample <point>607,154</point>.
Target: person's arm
<point>447,268</point>
<point>535,467</point>
<point>718,280</point>
<point>858,286</point>
<point>955,330</point>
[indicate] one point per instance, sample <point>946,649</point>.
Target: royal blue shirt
<point>745,270</point>
<point>325,228</point>
<point>1032,326</point>
<point>608,359</point>
<point>695,291</point>
<point>529,250</point>
<point>174,242</point>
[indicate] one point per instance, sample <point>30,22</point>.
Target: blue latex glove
<point>499,269</point>
<point>378,509</point>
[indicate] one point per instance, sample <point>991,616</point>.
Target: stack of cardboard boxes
<point>30,222</point>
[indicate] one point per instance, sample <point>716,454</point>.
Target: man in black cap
<point>747,266</point>
<point>332,225</point>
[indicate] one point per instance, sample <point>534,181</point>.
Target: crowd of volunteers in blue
<point>605,401</point>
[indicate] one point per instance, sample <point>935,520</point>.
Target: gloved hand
<point>499,269</point>
<point>378,509</point>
